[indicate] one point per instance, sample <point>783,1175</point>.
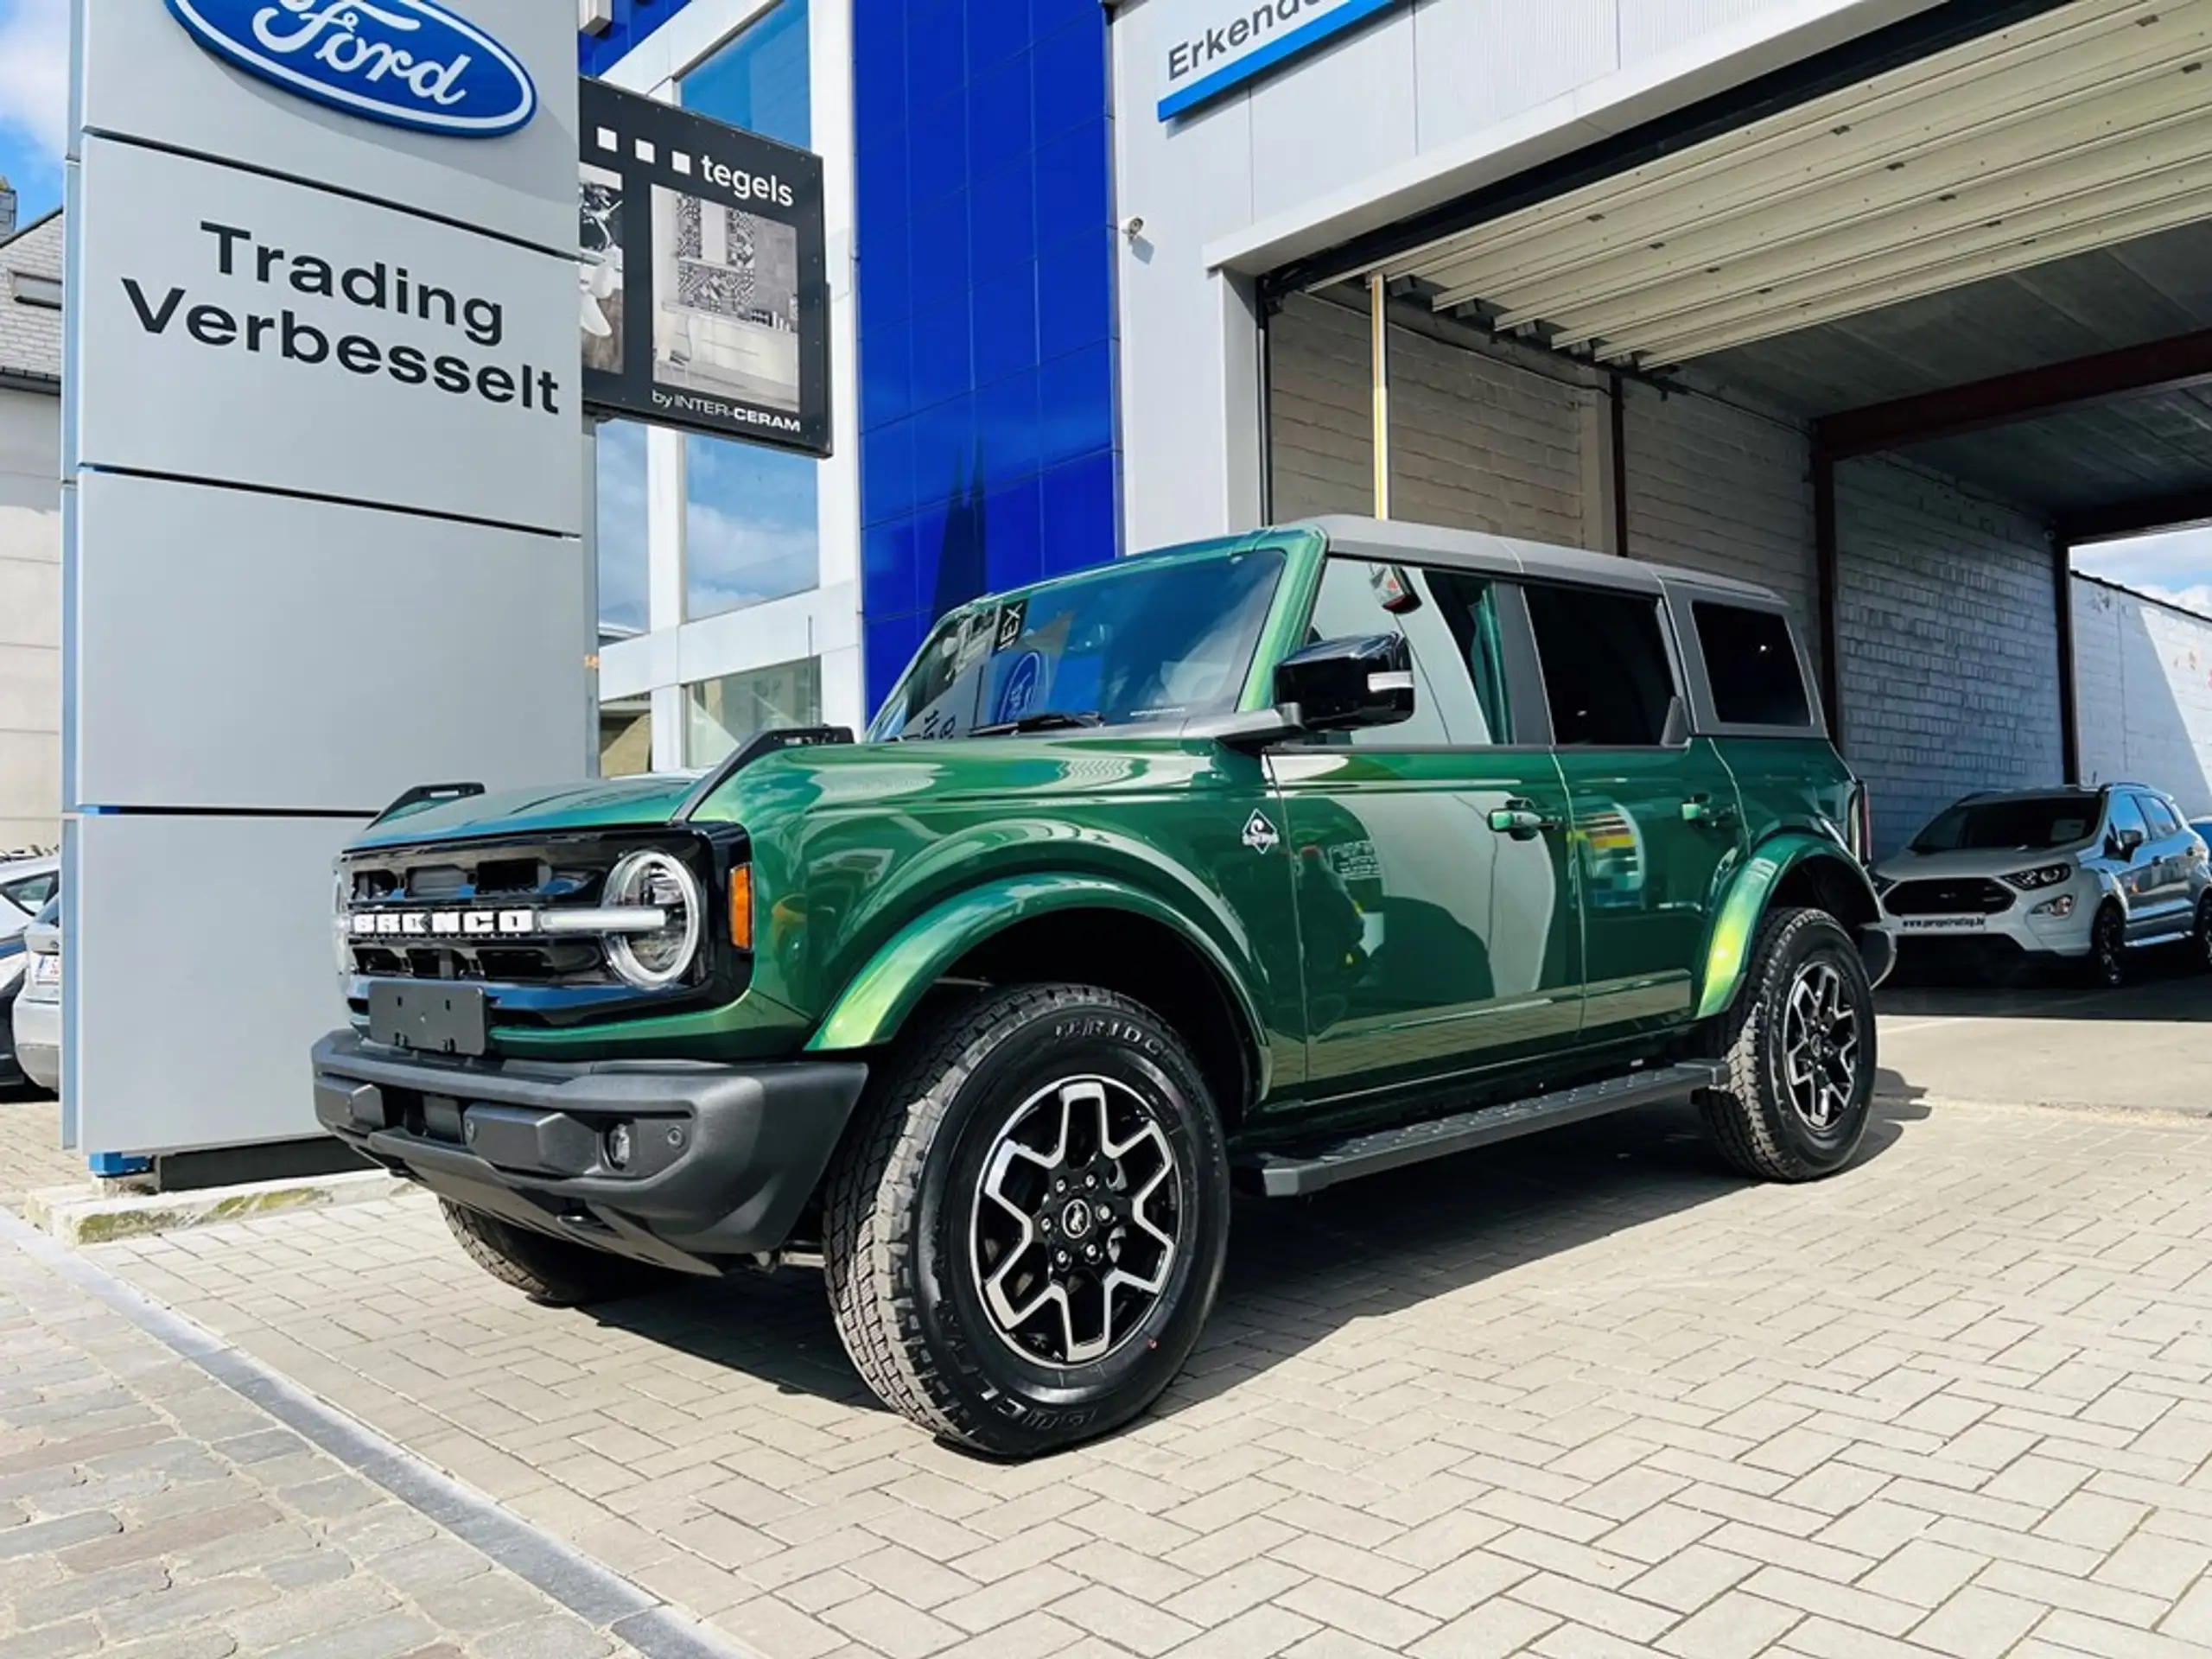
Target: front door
<point>2171,853</point>
<point>1657,820</point>
<point>1435,907</point>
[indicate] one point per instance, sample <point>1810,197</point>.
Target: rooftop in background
<point>7,208</point>
<point>30,305</point>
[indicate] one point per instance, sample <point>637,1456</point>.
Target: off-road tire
<point>900,1200</point>
<point>545,1269</point>
<point>2101,970</point>
<point>1748,1113</point>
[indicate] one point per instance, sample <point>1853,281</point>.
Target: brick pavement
<point>30,1146</point>
<point>1580,1396</point>
<point>147,1511</point>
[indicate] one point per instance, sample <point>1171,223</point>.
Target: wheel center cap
<point>1075,1220</point>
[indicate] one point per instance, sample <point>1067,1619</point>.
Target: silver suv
<point>2077,877</point>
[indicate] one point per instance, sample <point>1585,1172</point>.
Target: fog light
<point>2061,905</point>
<point>618,1147</point>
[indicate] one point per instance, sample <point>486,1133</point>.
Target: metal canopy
<point>2078,128</point>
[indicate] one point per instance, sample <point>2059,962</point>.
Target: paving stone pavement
<point>30,1146</point>
<point>1585,1395</point>
<point>147,1511</point>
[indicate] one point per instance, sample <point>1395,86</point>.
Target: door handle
<point>1699,809</point>
<point>1520,820</point>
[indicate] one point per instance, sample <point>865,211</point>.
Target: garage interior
<point>1890,333</point>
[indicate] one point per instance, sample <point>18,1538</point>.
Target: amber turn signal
<point>741,906</point>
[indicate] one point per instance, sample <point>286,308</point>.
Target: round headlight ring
<point>642,879</point>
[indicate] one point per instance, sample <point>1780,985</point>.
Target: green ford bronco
<point>1268,863</point>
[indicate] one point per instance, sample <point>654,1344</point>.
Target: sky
<point>2176,566</point>
<point>34,99</point>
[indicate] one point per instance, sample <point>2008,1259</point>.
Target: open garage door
<point>1889,350</point>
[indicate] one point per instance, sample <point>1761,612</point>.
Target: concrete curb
<point>81,1215</point>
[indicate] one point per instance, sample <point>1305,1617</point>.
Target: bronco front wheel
<point>1025,1231</point>
<point>1799,1086</point>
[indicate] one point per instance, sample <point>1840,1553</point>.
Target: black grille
<point>1966,896</point>
<point>542,876</point>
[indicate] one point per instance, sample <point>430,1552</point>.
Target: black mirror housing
<point>1338,684</point>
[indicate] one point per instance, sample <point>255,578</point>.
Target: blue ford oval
<point>410,63</point>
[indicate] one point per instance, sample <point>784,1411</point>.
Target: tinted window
<point>1753,666</point>
<point>31,892</point>
<point>2030,823</point>
<point>2125,814</point>
<point>2160,816</point>
<point>1449,623</point>
<point>1607,674</point>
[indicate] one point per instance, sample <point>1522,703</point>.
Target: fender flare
<point>1736,920</point>
<point>876,1002</point>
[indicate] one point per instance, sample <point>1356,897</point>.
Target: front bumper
<point>722,1159</point>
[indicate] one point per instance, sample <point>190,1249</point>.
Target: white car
<point>2083,878</point>
<point>37,1018</point>
<point>25,885</point>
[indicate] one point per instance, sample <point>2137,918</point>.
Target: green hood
<point>605,804</point>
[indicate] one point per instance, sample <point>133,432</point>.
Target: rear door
<point>1656,822</point>
<point>1435,911</point>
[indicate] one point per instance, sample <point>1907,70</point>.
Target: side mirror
<point>1341,683</point>
<point>2129,841</point>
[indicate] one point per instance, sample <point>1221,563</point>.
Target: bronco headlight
<point>654,960</point>
<point>340,925</point>
<point>2048,875</point>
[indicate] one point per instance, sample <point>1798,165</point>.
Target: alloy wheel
<point>1820,1045</point>
<point>1077,1221</point>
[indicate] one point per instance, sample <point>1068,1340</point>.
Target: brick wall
<point>1476,443</point>
<point>2143,693</point>
<point>1946,617</point>
<point>1718,490</point>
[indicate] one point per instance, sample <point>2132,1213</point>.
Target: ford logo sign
<point>408,62</point>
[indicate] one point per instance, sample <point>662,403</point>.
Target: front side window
<point>2026,823</point>
<point>1751,665</point>
<point>724,714</point>
<point>2123,816</point>
<point>1449,619</point>
<point>1129,642</point>
<point>2160,817</point>
<point>1607,673</point>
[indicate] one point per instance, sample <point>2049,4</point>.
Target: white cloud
<point>2172,561</point>
<point>35,70</point>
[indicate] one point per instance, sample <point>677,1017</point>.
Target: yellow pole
<point>1379,347</point>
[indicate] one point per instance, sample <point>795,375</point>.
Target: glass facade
<point>750,514</point>
<point>721,713</point>
<point>989,452</point>
<point>750,530</point>
<point>621,522</point>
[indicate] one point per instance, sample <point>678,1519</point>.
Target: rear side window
<point>31,892</point>
<point>1753,666</point>
<point>1606,675</point>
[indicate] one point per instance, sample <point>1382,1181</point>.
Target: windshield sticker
<point>1023,684</point>
<point>976,639</point>
<point>1010,619</point>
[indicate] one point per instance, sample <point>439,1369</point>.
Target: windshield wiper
<point>1050,720</point>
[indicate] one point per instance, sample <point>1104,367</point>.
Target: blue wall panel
<point>987,333</point>
<point>634,20</point>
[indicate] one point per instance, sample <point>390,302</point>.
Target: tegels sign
<point>407,62</point>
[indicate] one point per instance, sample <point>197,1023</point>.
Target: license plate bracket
<point>429,1019</point>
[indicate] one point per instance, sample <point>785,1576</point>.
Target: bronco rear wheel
<point>1025,1230</point>
<point>1800,1053</point>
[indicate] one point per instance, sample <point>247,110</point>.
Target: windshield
<point>1133,641</point>
<point>2031,825</point>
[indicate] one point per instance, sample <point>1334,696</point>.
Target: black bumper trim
<point>722,1159</point>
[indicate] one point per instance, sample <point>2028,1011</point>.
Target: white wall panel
<point>2143,693</point>
<point>1482,62</point>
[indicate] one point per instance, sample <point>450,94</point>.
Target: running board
<point>1289,1174</point>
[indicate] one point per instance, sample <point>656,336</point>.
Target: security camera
<point>1133,227</point>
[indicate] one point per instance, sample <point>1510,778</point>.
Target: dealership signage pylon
<point>323,504</point>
